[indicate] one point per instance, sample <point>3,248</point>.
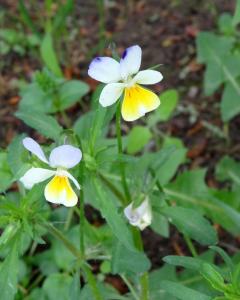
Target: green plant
<point>220,53</point>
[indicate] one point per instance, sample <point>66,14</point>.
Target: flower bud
<point>140,216</point>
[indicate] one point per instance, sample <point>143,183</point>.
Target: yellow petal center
<point>137,102</point>
<point>59,191</point>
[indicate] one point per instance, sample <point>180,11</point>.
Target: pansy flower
<point>125,77</point>
<point>140,216</point>
<point>62,158</point>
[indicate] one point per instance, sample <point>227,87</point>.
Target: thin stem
<point>130,287</point>
<point>58,234</point>
<point>90,277</point>
<point>145,286</point>
<point>113,188</point>
<point>92,282</point>
<point>120,151</point>
<point>144,278</point>
<point>81,223</point>
<point>66,119</point>
<point>190,245</point>
<point>69,219</point>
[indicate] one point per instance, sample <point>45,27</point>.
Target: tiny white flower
<point>124,76</point>
<point>140,216</point>
<point>64,157</point>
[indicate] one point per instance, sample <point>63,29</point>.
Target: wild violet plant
<point>130,192</point>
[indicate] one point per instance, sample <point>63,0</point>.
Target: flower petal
<point>59,191</point>
<point>65,156</point>
<point>137,102</point>
<point>67,174</point>
<point>104,69</point>
<point>35,175</point>
<point>148,77</point>
<point>111,93</point>
<point>34,148</point>
<point>130,61</point>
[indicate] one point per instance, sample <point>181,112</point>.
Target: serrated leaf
<point>45,124</point>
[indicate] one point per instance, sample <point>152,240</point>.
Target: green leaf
<point>125,260</point>
<point>230,104</point>
<point>71,92</point>
<point>166,272</point>
<point>211,48</point>
<point>224,256</point>
<point>138,137</point>
<point>213,277</point>
<point>225,24</point>
<point>5,172</point>
<point>181,292</point>
<point>9,273</point>
<point>57,286</point>
<point>169,167</point>
<point>160,224</point>
<point>45,124</point>
<point>213,78</point>
<point>74,292</point>
<point>17,157</point>
<point>115,221</point>
<point>192,223</point>
<point>236,17</point>
<point>48,55</point>
<point>169,100</point>
<point>184,261</point>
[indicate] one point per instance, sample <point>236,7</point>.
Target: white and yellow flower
<point>140,216</point>
<point>64,157</point>
<point>125,77</point>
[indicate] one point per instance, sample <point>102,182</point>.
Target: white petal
<point>111,93</point>
<point>65,156</point>
<point>34,148</point>
<point>130,61</point>
<point>148,77</point>
<point>35,175</point>
<point>67,174</point>
<point>104,69</point>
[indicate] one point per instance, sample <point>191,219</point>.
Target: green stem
<point>130,287</point>
<point>81,223</point>
<point>92,282</point>
<point>69,219</point>
<point>113,188</point>
<point>144,278</point>
<point>90,277</point>
<point>190,245</point>
<point>120,151</point>
<point>58,234</point>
